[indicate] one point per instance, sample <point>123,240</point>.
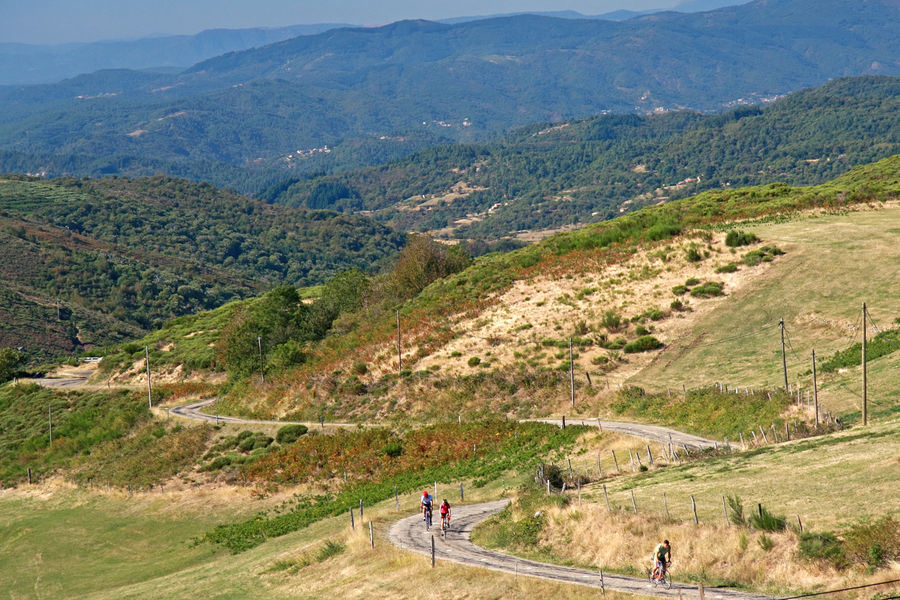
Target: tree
<point>423,260</point>
<point>10,361</point>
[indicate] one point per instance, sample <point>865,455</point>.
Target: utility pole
<point>399,349</point>
<point>149,389</point>
<point>571,373</point>
<point>783,356</point>
<point>815,388</point>
<point>865,406</point>
<point>262,371</point>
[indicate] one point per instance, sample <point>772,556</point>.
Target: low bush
<point>822,547</point>
<point>766,521</point>
<point>708,290</point>
<point>729,268</point>
<point>737,238</point>
<point>474,361</point>
<point>642,344</point>
<point>290,433</point>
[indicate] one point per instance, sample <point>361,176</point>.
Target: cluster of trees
<point>583,171</point>
<point>122,256</point>
<point>274,331</point>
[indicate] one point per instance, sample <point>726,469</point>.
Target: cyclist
<point>427,504</point>
<point>662,558</point>
<point>445,515</point>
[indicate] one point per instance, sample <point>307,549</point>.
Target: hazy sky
<point>59,21</point>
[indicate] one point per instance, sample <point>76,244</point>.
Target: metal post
<point>149,390</point>
<point>262,371</point>
<point>399,349</point>
<point>571,373</point>
<point>815,387</point>
<point>865,404</point>
<point>783,356</point>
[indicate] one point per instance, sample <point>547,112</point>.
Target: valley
<point>594,282</point>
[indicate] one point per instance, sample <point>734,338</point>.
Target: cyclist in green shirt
<point>662,558</point>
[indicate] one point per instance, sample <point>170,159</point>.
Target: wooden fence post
<point>397,498</point>
<point>743,446</point>
<point>360,510</point>
<point>352,523</point>
<point>462,495</point>
<point>371,535</point>
<point>432,550</point>
<point>633,503</point>
<point>724,509</point>
<point>29,475</point>
<point>666,505</point>
<point>606,495</point>
<point>616,462</point>
<point>649,456</point>
<point>694,509</point>
<point>799,523</point>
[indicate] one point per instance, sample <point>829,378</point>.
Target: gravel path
<point>409,534</point>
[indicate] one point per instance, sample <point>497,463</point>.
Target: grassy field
<point>832,483</point>
<point>73,543</point>
<point>818,288</point>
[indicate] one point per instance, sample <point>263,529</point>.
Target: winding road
<point>409,534</point>
<point>654,433</point>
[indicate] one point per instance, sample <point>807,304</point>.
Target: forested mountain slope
<point>122,256</point>
<point>351,97</point>
<point>555,175</point>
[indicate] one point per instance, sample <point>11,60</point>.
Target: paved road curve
<point>409,533</point>
<point>650,432</point>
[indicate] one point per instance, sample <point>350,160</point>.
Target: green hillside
<point>120,256</point>
<point>490,338</point>
<point>555,175</point>
<point>374,94</point>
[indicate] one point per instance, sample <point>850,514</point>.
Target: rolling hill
<point>119,257</point>
<point>552,176</point>
<point>370,95</point>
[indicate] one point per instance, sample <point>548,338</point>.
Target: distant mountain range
<point>353,97</point>
<point>23,64</point>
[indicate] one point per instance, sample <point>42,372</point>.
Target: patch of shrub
<point>611,320</point>
<point>736,510</point>
<point>708,290</point>
<point>641,330</point>
<point>693,255</point>
<point>692,281</point>
<point>474,361</point>
<point>360,368</point>
<point>392,449</point>
<point>729,268</point>
<point>290,433</point>
<point>331,548</point>
<point>642,344</point>
<point>766,521</point>
<point>737,238</point>
<point>822,547</point>
<point>456,354</point>
<point>873,544</point>
<point>765,542</point>
<point>217,463</point>
<point>680,290</point>
<point>764,254</point>
<point>677,305</point>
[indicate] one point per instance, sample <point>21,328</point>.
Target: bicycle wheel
<point>666,582</point>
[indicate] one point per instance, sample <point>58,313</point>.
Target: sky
<point>63,21</point>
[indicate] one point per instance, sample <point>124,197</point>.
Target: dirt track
<point>409,533</point>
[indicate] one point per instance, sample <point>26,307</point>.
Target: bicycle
<point>445,525</point>
<point>662,580</point>
<point>427,519</point>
